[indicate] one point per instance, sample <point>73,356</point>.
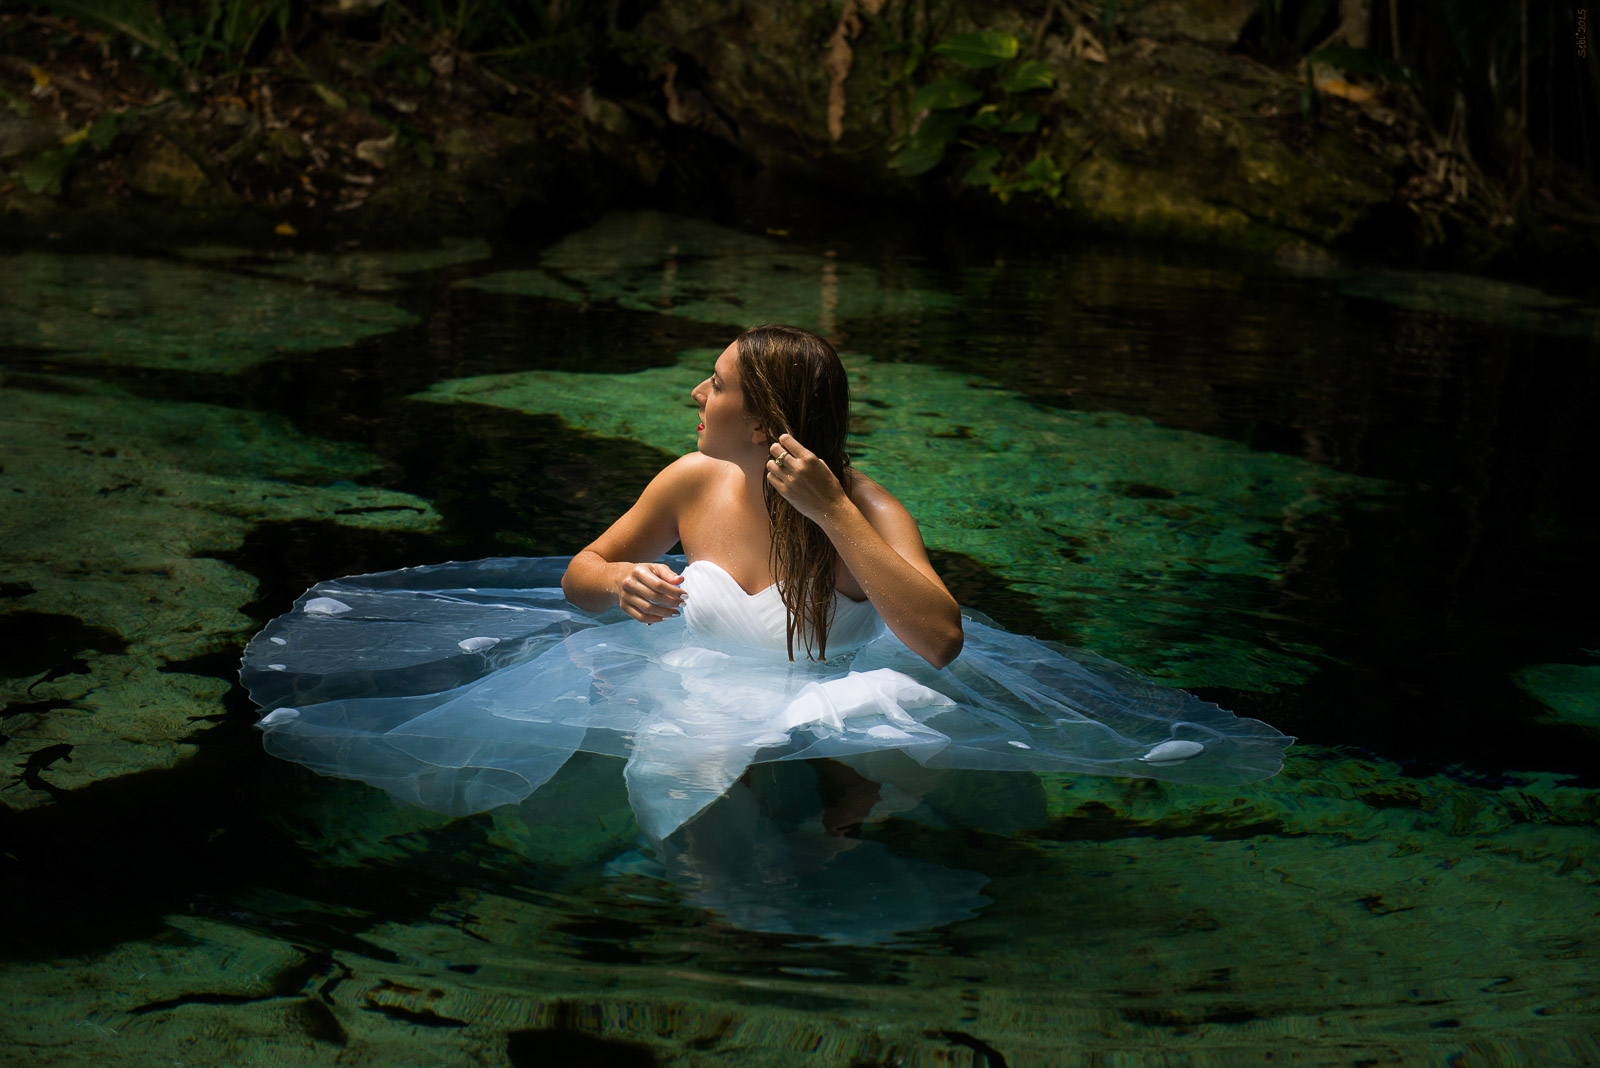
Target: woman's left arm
<point>880,544</point>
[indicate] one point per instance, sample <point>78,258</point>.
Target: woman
<point>766,508</point>
<point>806,623</point>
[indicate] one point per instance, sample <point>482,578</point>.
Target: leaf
<point>329,96</point>
<point>1041,175</point>
<point>918,158</point>
<point>982,170</point>
<point>944,93</point>
<point>104,130</point>
<point>43,173</point>
<point>939,128</point>
<point>985,119</point>
<point>18,105</point>
<point>1023,122</point>
<point>923,150</point>
<point>1026,77</point>
<point>980,50</point>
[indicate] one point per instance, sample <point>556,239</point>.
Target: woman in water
<point>770,497</point>
<point>806,623</point>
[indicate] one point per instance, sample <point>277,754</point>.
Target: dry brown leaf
<point>669,89</point>
<point>1084,43</point>
<point>377,151</point>
<point>841,57</point>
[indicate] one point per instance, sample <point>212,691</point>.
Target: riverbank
<point>386,134</point>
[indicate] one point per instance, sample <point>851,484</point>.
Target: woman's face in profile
<point>725,430</point>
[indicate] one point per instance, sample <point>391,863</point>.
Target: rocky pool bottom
<point>1336,507</point>
<point>1341,912</point>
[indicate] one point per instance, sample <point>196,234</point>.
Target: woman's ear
<point>759,436</point>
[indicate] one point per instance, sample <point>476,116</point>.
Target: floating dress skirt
<point>464,686</point>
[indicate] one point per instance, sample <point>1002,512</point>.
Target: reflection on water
<point>1418,886</point>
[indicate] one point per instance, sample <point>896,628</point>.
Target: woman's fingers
<point>787,452</point>
<point>651,593</point>
<point>800,477</point>
<point>793,447</point>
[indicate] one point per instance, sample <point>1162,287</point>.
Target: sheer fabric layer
<point>463,686</point>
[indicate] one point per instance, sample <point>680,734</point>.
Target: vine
<point>990,113</point>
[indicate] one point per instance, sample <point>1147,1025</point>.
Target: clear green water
<point>1348,504</point>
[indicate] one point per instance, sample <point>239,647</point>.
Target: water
<point>1348,503</point>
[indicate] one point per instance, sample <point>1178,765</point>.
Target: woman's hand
<point>803,480</point>
<point>651,593</point>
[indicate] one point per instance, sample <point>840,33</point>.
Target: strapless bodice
<point>718,609</point>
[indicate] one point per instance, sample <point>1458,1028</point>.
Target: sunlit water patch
<point>117,506</point>
<point>651,261</point>
<point>122,311</point>
<point>1149,544</point>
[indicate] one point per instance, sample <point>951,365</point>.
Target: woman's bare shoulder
<point>870,496</point>
<point>687,476</point>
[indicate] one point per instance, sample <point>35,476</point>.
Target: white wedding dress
<point>464,686</point>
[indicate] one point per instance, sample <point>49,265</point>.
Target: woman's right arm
<point>618,567</point>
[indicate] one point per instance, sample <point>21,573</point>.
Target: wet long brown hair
<point>793,383</point>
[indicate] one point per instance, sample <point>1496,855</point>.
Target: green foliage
<point>945,93</point>
<point>42,174</point>
<point>104,130</point>
<point>184,37</point>
<point>1026,77</point>
<point>1363,61</point>
<point>979,50</point>
<point>991,119</point>
<point>184,46</point>
<point>18,105</point>
<point>1041,175</point>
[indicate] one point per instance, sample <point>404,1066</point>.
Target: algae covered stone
<point>125,311</point>
<point>373,270</point>
<point>1569,692</point>
<point>117,509</point>
<point>656,262</point>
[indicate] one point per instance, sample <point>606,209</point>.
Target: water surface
<point>1345,502</point>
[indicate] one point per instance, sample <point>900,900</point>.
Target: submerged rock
<point>118,508</point>
<point>658,262</point>
<point>126,311</point>
<point>1570,693</point>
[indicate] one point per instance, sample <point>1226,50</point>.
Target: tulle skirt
<point>464,686</point>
